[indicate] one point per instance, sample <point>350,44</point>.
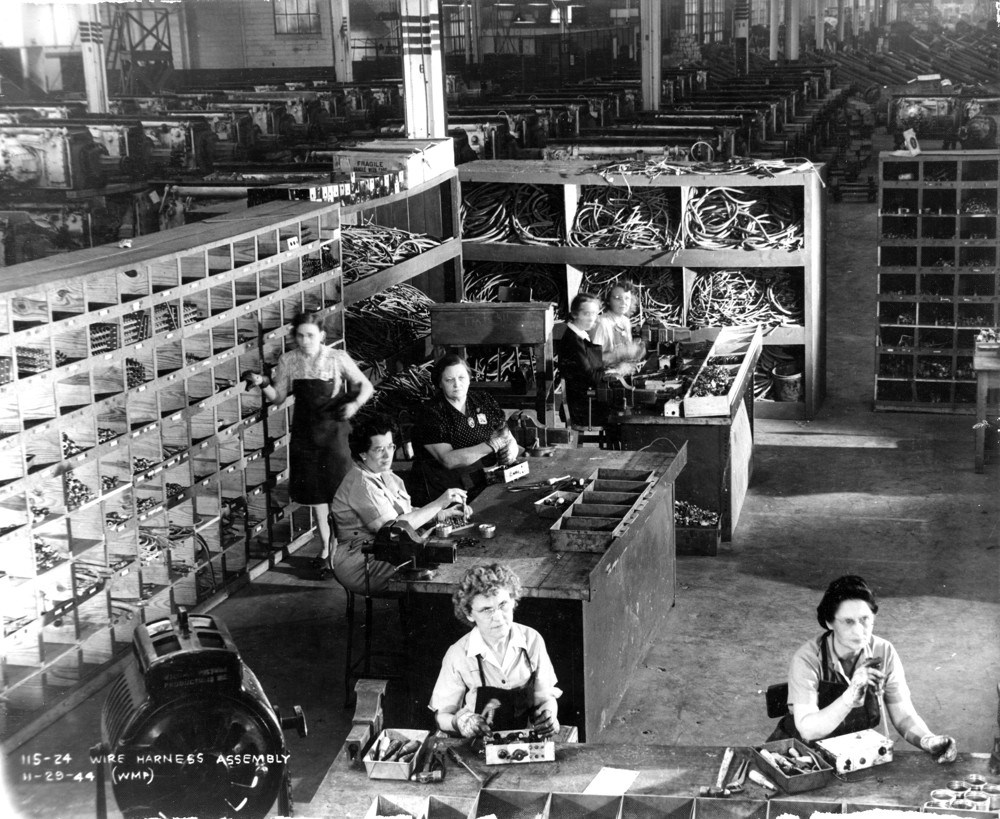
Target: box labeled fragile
<point>518,747</point>
<point>420,160</point>
<point>387,760</point>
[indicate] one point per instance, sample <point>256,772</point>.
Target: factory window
<point>692,16</point>
<point>714,19</point>
<point>296,17</point>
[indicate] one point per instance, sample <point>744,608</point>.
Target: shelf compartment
<point>937,256</point>
<point>977,284</point>
<point>979,257</point>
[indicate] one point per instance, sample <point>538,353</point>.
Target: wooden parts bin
<point>603,511</point>
<point>382,769</point>
<point>732,341</point>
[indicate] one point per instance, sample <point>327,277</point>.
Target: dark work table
<point>665,770</point>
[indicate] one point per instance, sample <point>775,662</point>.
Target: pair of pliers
<point>735,785</point>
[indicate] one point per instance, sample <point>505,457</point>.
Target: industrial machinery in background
<point>188,731</point>
<point>49,157</point>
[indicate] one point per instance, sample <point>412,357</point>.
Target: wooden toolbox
<point>603,510</point>
<point>736,350</point>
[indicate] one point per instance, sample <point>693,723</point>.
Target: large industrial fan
<point>188,731</point>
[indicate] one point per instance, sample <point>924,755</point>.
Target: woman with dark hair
<point>371,496</point>
<point>583,365</point>
<point>458,433</point>
<point>613,328</point>
<point>837,683</point>
<point>500,668</point>
<point>329,389</point>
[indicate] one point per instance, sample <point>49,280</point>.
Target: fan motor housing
<point>187,729</point>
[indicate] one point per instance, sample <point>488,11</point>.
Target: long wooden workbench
<point>596,611</point>
<point>671,771</point>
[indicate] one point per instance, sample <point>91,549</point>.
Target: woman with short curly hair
<point>499,675</point>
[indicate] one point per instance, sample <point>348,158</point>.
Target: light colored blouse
<point>612,332</point>
<point>365,502</point>
<point>328,365</point>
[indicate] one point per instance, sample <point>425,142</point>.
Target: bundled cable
<point>484,281</point>
<point>748,219</point>
<point>367,249</point>
<point>385,323</point>
<point>726,298</point>
<point>636,219</point>
<point>500,364</point>
<point>404,390</point>
<point>658,290</point>
<point>528,214</point>
<point>652,168</point>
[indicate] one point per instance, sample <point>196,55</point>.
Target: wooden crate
<point>731,341</point>
<point>986,356</point>
<point>603,511</point>
<point>698,540</point>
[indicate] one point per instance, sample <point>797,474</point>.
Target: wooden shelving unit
<point>569,180</point>
<point>137,473</point>
<point>938,276</point>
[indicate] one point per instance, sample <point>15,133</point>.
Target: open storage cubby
<point>571,192</point>
<point>939,263</point>
<point>138,473</point>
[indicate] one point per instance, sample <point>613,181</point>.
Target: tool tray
<point>732,343</point>
<point>793,783</point>
<point>609,503</point>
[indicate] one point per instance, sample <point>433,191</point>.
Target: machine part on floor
<point>188,730</point>
<point>854,752</point>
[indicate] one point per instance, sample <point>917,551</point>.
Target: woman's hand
<point>450,497</point>
<point>943,748</point>
<point>470,724</point>
<point>864,677</point>
<point>545,724</point>
<point>347,411</point>
<point>258,380</point>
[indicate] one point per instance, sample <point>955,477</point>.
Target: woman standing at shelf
<point>613,328</point>
<point>583,365</point>
<point>458,433</point>
<point>329,389</point>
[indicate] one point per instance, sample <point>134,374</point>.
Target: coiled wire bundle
<point>652,168</point>
<point>484,280</point>
<point>658,291</point>
<point>367,249</point>
<point>726,298</point>
<point>747,219</point>
<point>385,323</point>
<point>633,218</point>
<point>501,363</point>
<point>402,391</point>
<point>526,214</point>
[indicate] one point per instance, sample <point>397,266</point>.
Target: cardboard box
<point>795,783</point>
<point>420,160</point>
<point>379,769</point>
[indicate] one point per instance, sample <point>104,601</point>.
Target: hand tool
<point>454,757</point>
<point>761,780</point>
<point>735,785</point>
<point>489,710</point>
<point>727,759</point>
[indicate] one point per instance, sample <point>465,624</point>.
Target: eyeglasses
<point>489,611</point>
<point>383,450</point>
<point>850,622</point>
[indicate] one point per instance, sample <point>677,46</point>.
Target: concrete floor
<point>890,496</point>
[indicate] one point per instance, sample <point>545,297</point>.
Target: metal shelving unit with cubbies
<point>938,276</point>
<point>137,473</point>
<point>555,237</point>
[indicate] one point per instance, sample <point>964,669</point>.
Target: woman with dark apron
<point>837,684</point>
<point>498,676</point>
<point>329,389</point>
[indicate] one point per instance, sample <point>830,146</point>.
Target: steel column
<point>772,52</point>
<point>819,25</point>
<point>94,74</point>
<point>423,68</point>
<point>340,22</point>
<point>792,30</point>
<point>651,27</point>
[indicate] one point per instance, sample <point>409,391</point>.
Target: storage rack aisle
<point>937,276</point>
<point>693,224</point>
<point>139,474</point>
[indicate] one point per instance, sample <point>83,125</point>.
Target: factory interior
<point>798,205</point>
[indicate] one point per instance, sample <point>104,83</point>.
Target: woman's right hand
<point>864,677</point>
<point>450,497</point>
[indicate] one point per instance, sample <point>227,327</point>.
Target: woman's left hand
<point>545,724</point>
<point>348,411</point>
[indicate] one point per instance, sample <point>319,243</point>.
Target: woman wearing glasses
<point>372,495</point>
<point>838,682</point>
<point>498,676</point>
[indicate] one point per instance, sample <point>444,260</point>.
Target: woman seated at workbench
<point>836,682</point>
<point>583,365</point>
<point>613,328</point>
<point>499,675</point>
<point>371,496</point>
<point>458,433</point>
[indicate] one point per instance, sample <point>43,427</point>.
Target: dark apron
<point>319,457</point>
<point>866,715</point>
<point>516,704</point>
